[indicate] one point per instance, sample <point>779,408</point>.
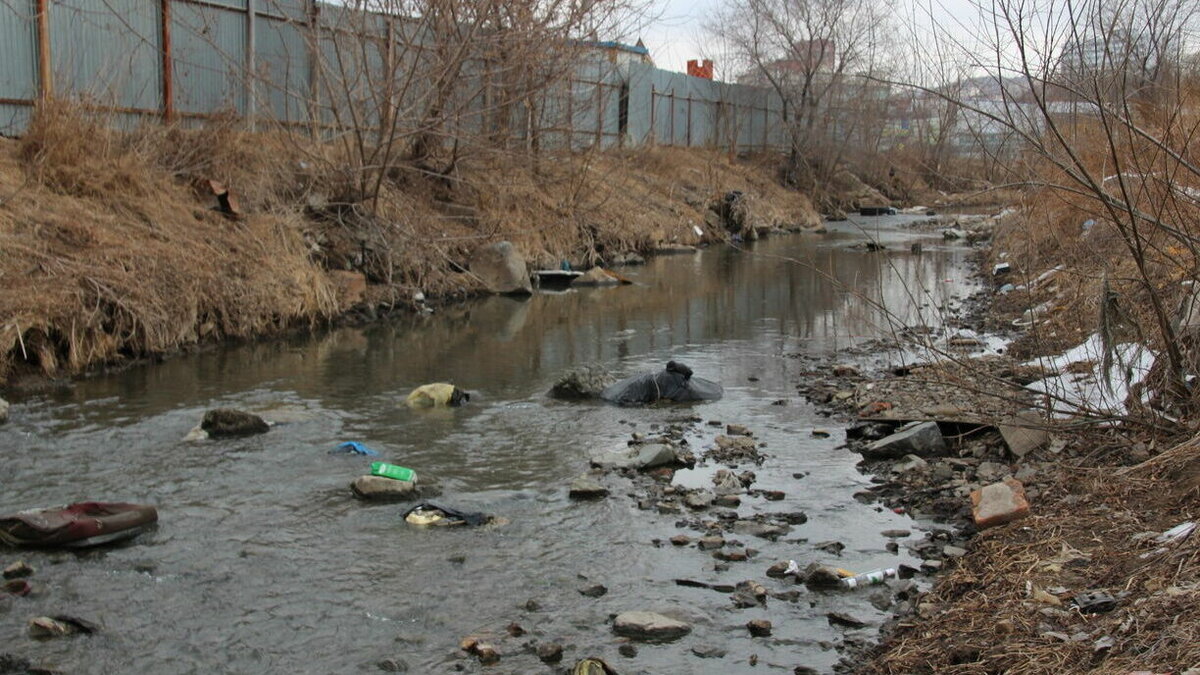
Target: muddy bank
<point>120,246</point>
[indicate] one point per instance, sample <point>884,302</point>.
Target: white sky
<point>677,34</point>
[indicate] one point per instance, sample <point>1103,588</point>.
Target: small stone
<point>3,411</point>
<point>44,627</point>
<point>393,666</point>
<point>896,534</point>
<point>737,430</point>
<point>486,653</point>
<point>931,565</point>
<point>532,605</point>
<point>817,575</point>
<point>550,652</point>
<point>708,652</point>
<point>999,503</point>
<point>759,627</point>
<point>627,650</point>
<point>378,488</point>
<point>923,440</point>
<point>514,629</point>
<point>728,501</point>
<point>227,423</point>
<point>778,570</point>
<point>593,591</point>
<point>681,540</point>
<point>773,495</point>
<point>732,555</point>
<point>843,619</point>
<point>832,547</point>
<point>821,433</point>
<point>699,499</point>
<point>585,487</point>
<point>710,542</point>
<point>18,570</point>
<point>845,370</point>
<point>953,551</point>
<point>649,626</point>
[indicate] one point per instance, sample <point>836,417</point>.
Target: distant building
<point>809,59</point>
<point>619,53</point>
<point>702,69</point>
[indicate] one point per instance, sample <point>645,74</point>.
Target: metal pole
<point>314,69</point>
<point>168,68</point>
<point>45,81</point>
<point>599,115</point>
<point>251,65</point>
<point>653,129</point>
<point>689,121</point>
<point>672,117</point>
<point>570,114</point>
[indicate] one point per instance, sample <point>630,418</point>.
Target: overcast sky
<point>677,33</point>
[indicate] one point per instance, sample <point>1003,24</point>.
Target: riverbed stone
<point>710,542</point>
<point>648,456</point>
<point>502,269</point>
<point>230,423</point>
<point>586,487</point>
<point>817,575</point>
<point>649,626</point>
<point>843,619</point>
<point>737,430</point>
<point>759,627</point>
<point>757,529</point>
<point>726,482</point>
<point>3,411</point>
<point>550,652</point>
<point>597,276</point>
<point>999,503</point>
<point>923,440</point>
<point>708,652</point>
<point>581,383</point>
<point>699,499</point>
<point>378,488</point>
<point>18,570</point>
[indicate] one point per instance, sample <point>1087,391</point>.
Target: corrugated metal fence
<point>287,62</point>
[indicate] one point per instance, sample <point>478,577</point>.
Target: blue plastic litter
<point>353,448</point>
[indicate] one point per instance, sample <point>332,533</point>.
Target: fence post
<point>168,68</point>
<point>689,120</point>
<point>653,127</point>
<point>599,115</point>
<point>251,65</point>
<point>45,81</point>
<point>672,117</point>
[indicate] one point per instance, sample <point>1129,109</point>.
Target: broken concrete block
<point>923,440</point>
<point>999,503</point>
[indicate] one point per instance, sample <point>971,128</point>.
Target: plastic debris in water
<point>353,448</point>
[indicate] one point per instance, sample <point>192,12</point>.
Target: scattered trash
<point>427,514</point>
<point>1176,534</point>
<point>76,525</point>
<point>1094,602</point>
<point>438,394</point>
<point>673,383</point>
<point>227,201</point>
<point>385,470</point>
<point>1001,268</point>
<point>1006,289</point>
<point>999,503</point>
<point>1088,224</point>
<point>353,448</point>
<point>871,578</point>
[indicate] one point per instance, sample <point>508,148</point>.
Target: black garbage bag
<point>673,383</point>
<point>427,513</point>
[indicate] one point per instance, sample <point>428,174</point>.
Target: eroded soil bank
<point>120,246</point>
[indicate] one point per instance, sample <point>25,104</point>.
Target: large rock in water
<point>582,383</point>
<point>922,440</point>
<point>502,269</point>
<point>227,422</point>
<point>638,457</point>
<point>649,626</point>
<point>378,488</point>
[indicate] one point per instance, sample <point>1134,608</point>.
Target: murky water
<point>263,562</point>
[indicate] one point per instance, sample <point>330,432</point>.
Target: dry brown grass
<point>111,248</point>
<point>982,616</point>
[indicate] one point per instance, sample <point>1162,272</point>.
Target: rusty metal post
<point>653,128</point>
<point>168,68</point>
<point>672,117</point>
<point>45,80</point>
<point>689,120</point>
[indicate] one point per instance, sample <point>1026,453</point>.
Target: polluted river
<point>264,561</point>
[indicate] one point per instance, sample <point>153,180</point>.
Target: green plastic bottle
<point>392,471</point>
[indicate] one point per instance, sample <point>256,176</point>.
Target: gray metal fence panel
<point>281,70</point>
<point>108,51</point>
<point>18,56</point>
<point>208,56</point>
